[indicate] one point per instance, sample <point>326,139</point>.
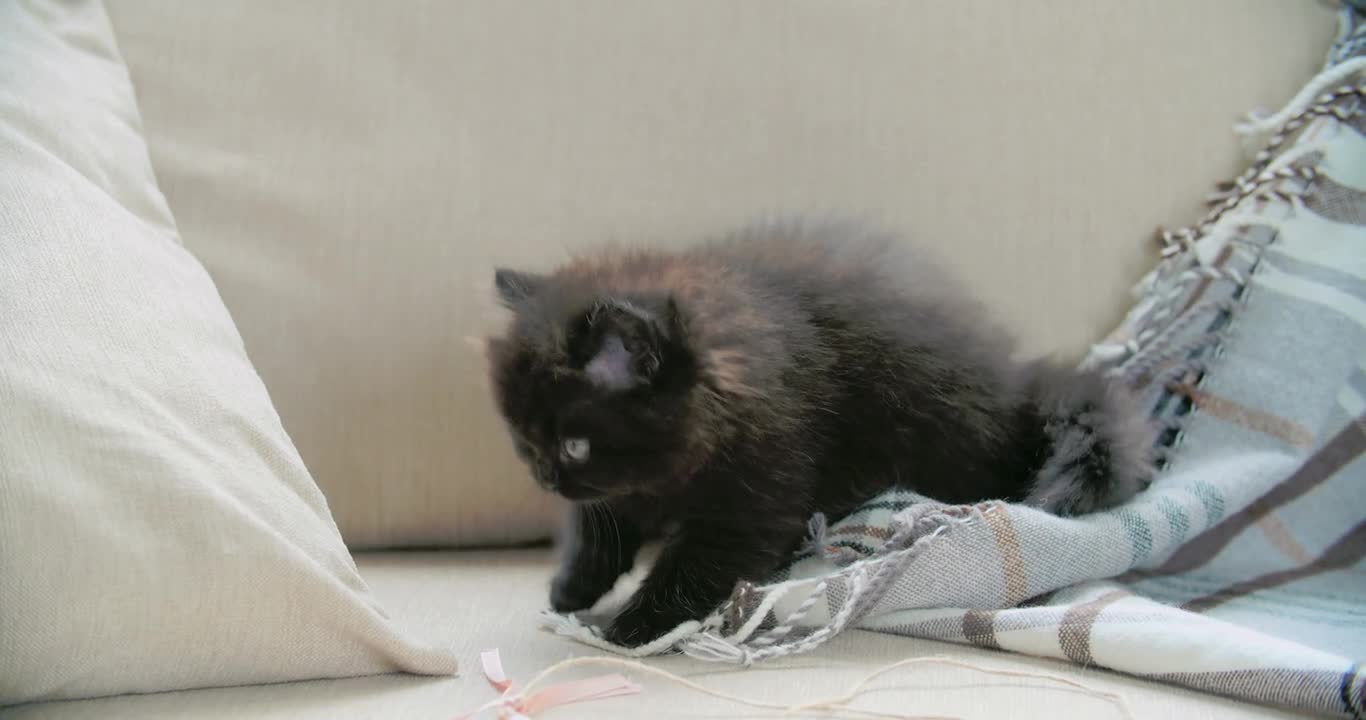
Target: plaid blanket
<point>1240,571</point>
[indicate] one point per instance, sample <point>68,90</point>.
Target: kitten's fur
<point>730,391</point>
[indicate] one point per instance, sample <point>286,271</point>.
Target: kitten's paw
<point>634,627</point>
<point>569,594</point>
<point>1073,495</point>
<point>1070,497</point>
<point>1099,449</point>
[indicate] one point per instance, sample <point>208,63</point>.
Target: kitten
<point>717,397</point>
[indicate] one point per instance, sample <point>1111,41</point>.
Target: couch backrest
<point>351,172</point>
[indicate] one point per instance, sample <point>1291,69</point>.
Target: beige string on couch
<point>529,700</point>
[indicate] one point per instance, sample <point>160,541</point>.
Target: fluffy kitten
<point>718,397</point>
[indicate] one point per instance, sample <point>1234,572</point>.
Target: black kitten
<point>718,397</point>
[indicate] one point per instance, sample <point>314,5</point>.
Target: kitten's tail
<point>1096,443</point>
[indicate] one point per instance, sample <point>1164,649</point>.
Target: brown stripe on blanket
<point>1281,538</point>
<point>1074,632</point>
<point>1346,446</point>
<point>1012,563</point>
<point>1244,416</point>
<point>1334,201</point>
<point>979,627</point>
<point>1343,553</point>
<point>1319,690</point>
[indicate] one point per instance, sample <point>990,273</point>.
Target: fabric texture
<point>350,173</point>
<point>497,595</point>
<point>158,530</point>
<point>1242,570</point>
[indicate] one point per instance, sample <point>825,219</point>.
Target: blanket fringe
<point>1259,128</point>
<point>862,584</point>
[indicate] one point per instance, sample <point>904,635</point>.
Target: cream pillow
<point>158,530</point>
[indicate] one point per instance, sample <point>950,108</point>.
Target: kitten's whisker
<point>616,527</point>
<point>591,519</point>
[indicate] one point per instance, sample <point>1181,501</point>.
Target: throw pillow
<point>158,530</point>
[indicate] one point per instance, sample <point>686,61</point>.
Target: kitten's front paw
<point>569,594</point>
<point>1071,497</point>
<point>634,627</point>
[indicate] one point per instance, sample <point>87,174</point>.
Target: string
<point>838,704</point>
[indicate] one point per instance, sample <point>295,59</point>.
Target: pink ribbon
<point>516,706</point>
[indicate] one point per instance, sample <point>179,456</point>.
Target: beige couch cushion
<point>350,172</point>
<point>496,596</point>
<point>158,530</point>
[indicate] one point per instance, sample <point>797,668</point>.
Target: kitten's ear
<point>514,286</point>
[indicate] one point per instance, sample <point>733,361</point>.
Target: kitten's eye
<point>575,449</point>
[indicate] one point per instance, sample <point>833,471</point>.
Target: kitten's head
<point>595,388</point>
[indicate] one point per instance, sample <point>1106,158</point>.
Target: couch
<point>349,173</point>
